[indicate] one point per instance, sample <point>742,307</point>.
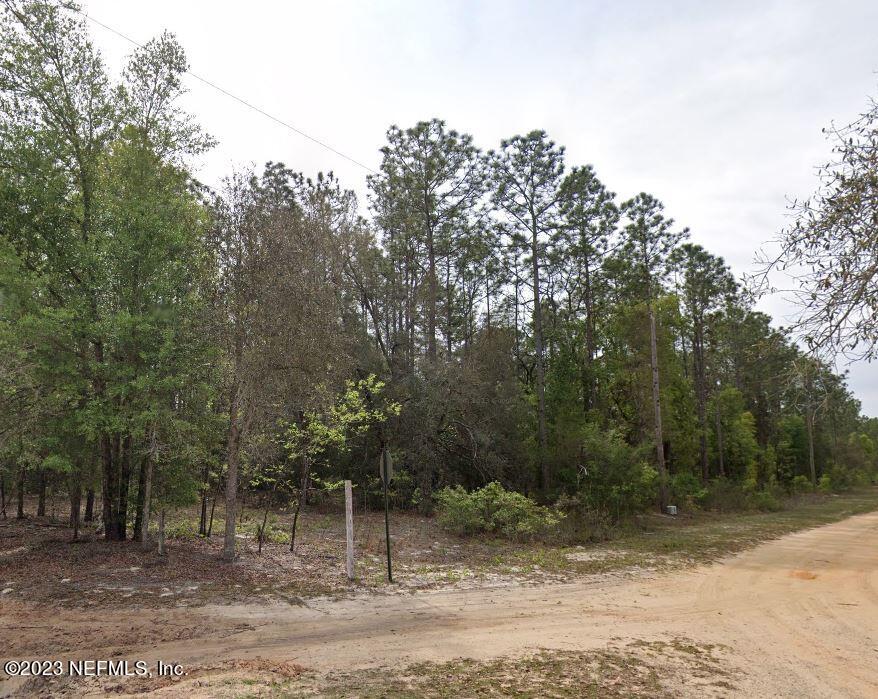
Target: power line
<point>236,98</point>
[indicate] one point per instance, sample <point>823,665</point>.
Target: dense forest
<point>487,316</point>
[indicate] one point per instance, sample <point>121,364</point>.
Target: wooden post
<point>349,527</point>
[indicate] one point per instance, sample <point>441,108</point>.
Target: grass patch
<point>707,537</point>
<point>640,669</point>
<point>657,542</point>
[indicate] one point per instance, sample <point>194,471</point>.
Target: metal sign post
<point>385,468</point>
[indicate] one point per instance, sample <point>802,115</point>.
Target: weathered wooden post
<point>349,527</point>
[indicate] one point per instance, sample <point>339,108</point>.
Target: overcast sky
<point>714,107</point>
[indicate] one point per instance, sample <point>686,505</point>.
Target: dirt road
<point>799,616</point>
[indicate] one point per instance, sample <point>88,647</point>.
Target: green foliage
<point>687,490</point>
<point>843,477</point>
<point>764,501</point>
<point>740,448</point>
<point>493,510</point>
<point>350,415</point>
<point>500,312</point>
<point>792,450</point>
<point>618,479</point>
<point>800,484</point>
<point>726,495</point>
<point>184,528</point>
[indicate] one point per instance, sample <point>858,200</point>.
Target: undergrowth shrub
<point>687,490</point>
<point>618,480</point>
<point>581,522</point>
<point>841,478</point>
<point>764,501</point>
<point>178,529</point>
<point>724,495</point>
<point>800,484</point>
<point>494,510</point>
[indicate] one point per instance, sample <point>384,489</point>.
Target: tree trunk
<point>302,499</point>
<point>589,340</point>
<point>162,532</point>
<point>89,505</point>
<point>75,502</point>
<point>109,485</point>
<point>202,521</point>
<point>126,450</point>
<point>293,527</point>
<point>41,495</point>
<point>657,406</point>
<point>719,439</point>
<point>545,475</point>
<point>210,524</point>
<point>3,495</point>
<point>516,304</point>
<point>232,444</point>
<point>809,423</point>
<point>701,397</point>
<point>146,502</point>
<point>487,298</point>
<point>19,488</point>
<point>449,319</point>
<point>264,524</point>
<point>432,285</point>
<point>108,443</point>
<point>138,513</point>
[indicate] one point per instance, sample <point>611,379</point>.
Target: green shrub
<point>843,478</point>
<point>764,501</point>
<point>801,484</point>
<point>582,523</point>
<point>493,510</point>
<point>618,480</point>
<point>687,490</point>
<point>824,484</point>
<point>178,529</point>
<point>724,495</point>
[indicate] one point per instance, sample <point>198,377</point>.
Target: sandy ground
<point>799,616</point>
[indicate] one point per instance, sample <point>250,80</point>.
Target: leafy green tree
<point>705,285</point>
<point>649,240</point>
<point>276,239</point>
<point>590,217</point>
<point>431,179</point>
<point>316,434</point>
<point>112,249</point>
<point>526,173</point>
<point>736,434</point>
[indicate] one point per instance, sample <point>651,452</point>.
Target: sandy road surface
<point>799,615</point>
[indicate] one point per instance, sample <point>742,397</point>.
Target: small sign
<point>385,467</point>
